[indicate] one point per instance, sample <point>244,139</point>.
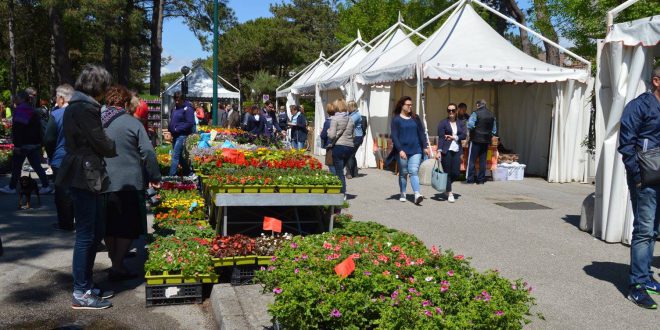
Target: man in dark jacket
<point>482,127</point>
<point>182,124</point>
<point>640,131</point>
<point>83,172</point>
<point>27,136</point>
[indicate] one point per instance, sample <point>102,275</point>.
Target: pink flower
<point>262,268</point>
<point>277,290</point>
<point>434,250</point>
<point>273,259</point>
<point>450,273</point>
<point>327,245</point>
<point>169,259</point>
<point>411,279</point>
<point>293,245</point>
<point>396,248</point>
<point>438,310</point>
<point>376,262</point>
<point>367,273</point>
<point>304,257</point>
<point>387,272</point>
<point>514,287</point>
<point>499,313</point>
<point>394,294</point>
<point>459,257</point>
<point>428,313</point>
<point>426,303</point>
<point>398,264</point>
<point>335,313</point>
<point>296,270</point>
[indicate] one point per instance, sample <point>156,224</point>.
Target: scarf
<point>111,113</point>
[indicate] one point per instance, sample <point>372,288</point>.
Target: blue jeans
<point>340,155</point>
<point>645,230</point>
<point>410,167</point>
<point>177,157</point>
<point>297,145</point>
<point>89,231</point>
<point>477,150</point>
<point>33,155</point>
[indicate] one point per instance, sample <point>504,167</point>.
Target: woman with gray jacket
<point>340,136</point>
<point>125,210</point>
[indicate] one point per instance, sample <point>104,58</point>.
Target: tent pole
<point>214,104</point>
<point>615,12</point>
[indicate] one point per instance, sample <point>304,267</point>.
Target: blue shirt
<point>473,121</point>
<point>60,152</point>
<point>356,117</point>
<point>408,135</point>
<point>640,125</point>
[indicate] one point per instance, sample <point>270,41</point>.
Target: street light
<point>185,70</point>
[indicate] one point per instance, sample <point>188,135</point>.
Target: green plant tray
<point>234,189</point>
<point>302,190</point>
<point>264,260</point>
<point>251,189</point>
<point>234,261</point>
<point>317,190</point>
<point>285,189</point>
<point>268,190</point>
<point>333,189</point>
<point>167,278</point>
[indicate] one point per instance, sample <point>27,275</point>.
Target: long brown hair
<point>399,106</point>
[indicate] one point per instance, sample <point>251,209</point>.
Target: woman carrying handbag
<point>451,132</point>
<point>340,134</point>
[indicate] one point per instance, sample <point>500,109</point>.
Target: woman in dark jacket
<point>251,120</point>
<point>451,132</point>
<point>124,204</point>
<point>325,142</point>
<point>298,127</point>
<point>83,172</point>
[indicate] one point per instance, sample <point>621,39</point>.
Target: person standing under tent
<point>462,114</point>
<point>298,127</point>
<point>282,118</point>
<point>359,122</point>
<point>181,125</point>
<point>267,126</point>
<point>409,139</point>
<point>482,126</point>
<point>233,118</point>
<point>251,119</point>
<point>340,136</point>
<point>451,131</point>
<point>640,132</point>
<point>55,147</point>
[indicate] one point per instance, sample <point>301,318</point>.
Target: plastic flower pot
<point>233,189</point>
<point>302,190</point>
<point>333,189</point>
<point>267,189</point>
<point>251,189</point>
<point>264,260</point>
<point>285,189</point>
<point>155,278</point>
<point>317,189</point>
<point>247,260</point>
<point>223,262</point>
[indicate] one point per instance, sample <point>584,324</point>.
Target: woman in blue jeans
<point>340,136</point>
<point>181,125</point>
<point>409,139</point>
<point>298,127</point>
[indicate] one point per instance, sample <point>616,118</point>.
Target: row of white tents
<point>543,110</point>
<point>463,61</point>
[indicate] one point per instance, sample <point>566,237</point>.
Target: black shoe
<point>639,296</point>
<point>132,253</point>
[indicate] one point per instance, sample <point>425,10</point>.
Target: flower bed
<point>398,283</point>
<point>182,200</point>
<point>178,256</point>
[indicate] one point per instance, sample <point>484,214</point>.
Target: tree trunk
<point>156,46</point>
<point>107,52</point>
<point>548,30</point>
<point>125,61</point>
<point>519,16</point>
<point>12,48</point>
<point>63,63</point>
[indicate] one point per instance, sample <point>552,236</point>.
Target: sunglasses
<point>451,110</point>
<point>408,104</point>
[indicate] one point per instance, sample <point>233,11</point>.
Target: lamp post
<point>215,64</point>
<point>185,70</point>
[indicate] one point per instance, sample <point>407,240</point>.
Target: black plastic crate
<point>173,294</point>
<point>243,275</point>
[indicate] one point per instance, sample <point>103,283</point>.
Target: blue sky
<point>184,47</point>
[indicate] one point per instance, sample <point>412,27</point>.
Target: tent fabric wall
<point>322,98</point>
<point>569,160</point>
<point>623,72</point>
<point>524,121</point>
<point>439,93</point>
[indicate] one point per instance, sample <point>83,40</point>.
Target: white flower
<point>429,279</point>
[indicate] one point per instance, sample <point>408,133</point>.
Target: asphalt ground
<point>36,282</point>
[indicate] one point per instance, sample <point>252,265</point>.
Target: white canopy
<point>339,72</point>
<point>625,64</point>
<point>467,48</point>
<point>200,85</point>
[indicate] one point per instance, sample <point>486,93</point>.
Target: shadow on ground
<point>611,272</point>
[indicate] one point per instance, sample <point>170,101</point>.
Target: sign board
<point>266,97</point>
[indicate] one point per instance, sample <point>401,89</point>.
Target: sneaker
<point>45,190</point>
<point>7,190</point>
<point>89,300</point>
<point>402,198</point>
<point>639,296</point>
<point>418,198</point>
<point>652,287</point>
<point>451,198</point>
<point>104,294</point>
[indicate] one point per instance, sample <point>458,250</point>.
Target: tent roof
<point>200,85</point>
<point>340,69</point>
<point>467,48</point>
<point>644,31</point>
<point>383,57</point>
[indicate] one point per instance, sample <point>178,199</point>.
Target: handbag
<point>649,166</point>
<point>438,178</point>
<point>328,157</point>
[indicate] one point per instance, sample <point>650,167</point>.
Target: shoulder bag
<point>649,165</point>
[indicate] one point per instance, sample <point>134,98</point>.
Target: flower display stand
<point>175,289</point>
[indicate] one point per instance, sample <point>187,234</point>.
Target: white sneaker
<point>45,190</point>
<point>7,190</point>
<point>451,198</point>
<point>403,198</point>
<point>418,198</point>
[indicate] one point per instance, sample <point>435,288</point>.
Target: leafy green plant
<point>189,257</point>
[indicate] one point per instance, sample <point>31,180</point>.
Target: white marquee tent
<point>200,86</point>
<point>625,63</point>
<point>541,108</point>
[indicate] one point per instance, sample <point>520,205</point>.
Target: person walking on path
<point>325,142</point>
<point>83,172</point>
<point>359,122</point>
<point>409,139</point>
<point>298,126</point>
<point>340,136</point>
<point>55,146</point>
<point>640,131</point>
<point>27,135</point>
<point>451,132</point>
<point>482,126</point>
<point>124,205</point>
<point>181,125</point>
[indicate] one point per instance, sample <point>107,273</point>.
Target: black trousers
<point>63,205</point>
<point>451,164</point>
<point>351,164</point>
<point>477,150</point>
